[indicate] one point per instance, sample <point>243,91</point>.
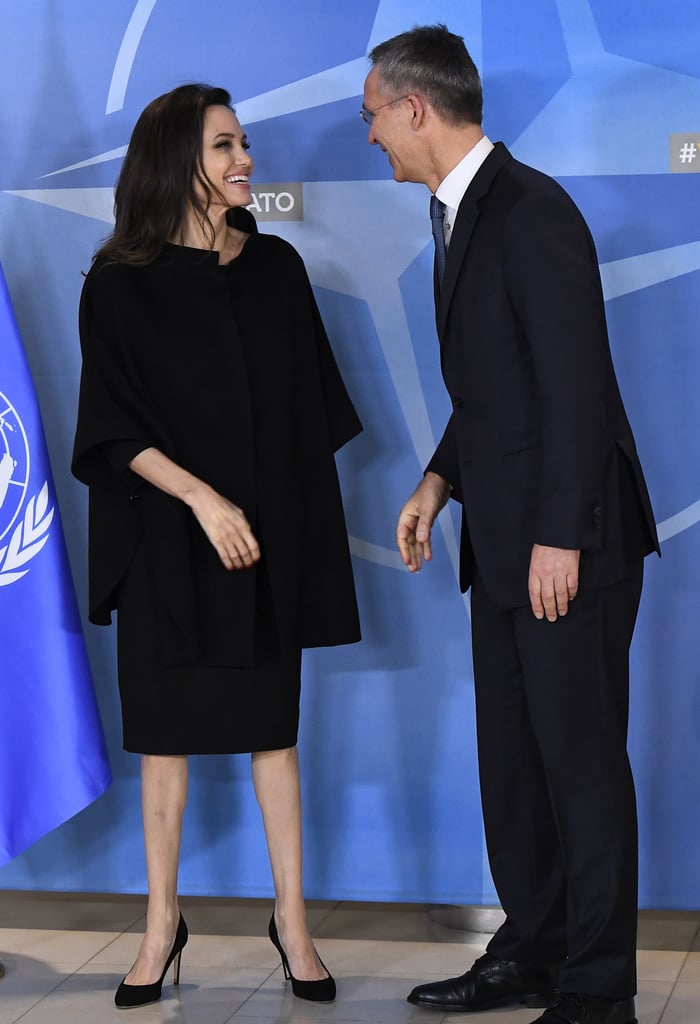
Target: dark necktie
<point>437,217</point>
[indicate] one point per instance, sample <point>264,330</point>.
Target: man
<point>556,522</point>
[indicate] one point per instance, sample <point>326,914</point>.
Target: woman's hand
<point>223,522</point>
<point>226,527</point>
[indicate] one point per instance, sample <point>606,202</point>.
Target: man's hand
<point>553,580</point>
<point>416,520</point>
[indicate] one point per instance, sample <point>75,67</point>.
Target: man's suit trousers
<point>558,795</point>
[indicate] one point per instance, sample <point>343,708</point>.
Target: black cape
<point>228,371</point>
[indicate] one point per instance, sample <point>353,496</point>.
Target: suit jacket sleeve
<point>551,274</point>
<point>445,461</point>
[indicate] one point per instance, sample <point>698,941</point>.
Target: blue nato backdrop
<point>602,94</point>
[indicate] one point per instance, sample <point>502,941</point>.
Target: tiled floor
<point>64,955</point>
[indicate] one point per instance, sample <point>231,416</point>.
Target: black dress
<point>228,371</point>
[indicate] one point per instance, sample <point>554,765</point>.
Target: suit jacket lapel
<point>467,216</point>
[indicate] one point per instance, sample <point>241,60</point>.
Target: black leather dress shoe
<point>489,983</point>
<point>580,1009</point>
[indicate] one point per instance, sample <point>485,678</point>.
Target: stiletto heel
<point>176,968</point>
<point>321,991</point>
<point>128,996</point>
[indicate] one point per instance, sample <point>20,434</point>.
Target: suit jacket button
<point>456,402</point>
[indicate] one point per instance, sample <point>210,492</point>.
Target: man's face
<point>391,127</point>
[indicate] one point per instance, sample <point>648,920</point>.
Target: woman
<point>210,408</point>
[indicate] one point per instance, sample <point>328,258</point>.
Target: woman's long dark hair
<point>157,180</point>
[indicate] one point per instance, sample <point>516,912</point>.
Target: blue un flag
<point>53,760</point>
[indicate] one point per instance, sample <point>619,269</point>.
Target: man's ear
<point>420,109</point>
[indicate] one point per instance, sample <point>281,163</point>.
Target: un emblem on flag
<point>23,524</point>
<point>14,465</point>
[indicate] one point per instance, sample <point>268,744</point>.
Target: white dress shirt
<point>452,188</point>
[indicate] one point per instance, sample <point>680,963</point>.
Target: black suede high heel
<point>321,991</point>
<point>128,996</point>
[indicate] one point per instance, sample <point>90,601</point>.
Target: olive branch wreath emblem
<point>28,538</point>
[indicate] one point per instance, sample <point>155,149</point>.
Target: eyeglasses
<point>369,115</point>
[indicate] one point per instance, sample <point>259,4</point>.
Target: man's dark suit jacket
<point>538,447</point>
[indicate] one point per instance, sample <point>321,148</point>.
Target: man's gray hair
<point>434,64</point>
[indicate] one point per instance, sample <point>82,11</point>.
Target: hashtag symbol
<point>688,152</point>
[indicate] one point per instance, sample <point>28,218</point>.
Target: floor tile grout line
<point>255,992</point>
<point>329,913</point>
<point>674,985</point>
<point>76,970</point>
<point>117,937</point>
<point>46,995</point>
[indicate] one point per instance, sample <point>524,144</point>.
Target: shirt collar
<point>452,188</point>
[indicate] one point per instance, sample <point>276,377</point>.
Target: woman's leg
<point>163,797</point>
<point>276,780</point>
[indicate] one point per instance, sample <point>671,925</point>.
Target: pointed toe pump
<point>321,991</point>
<point>128,996</point>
